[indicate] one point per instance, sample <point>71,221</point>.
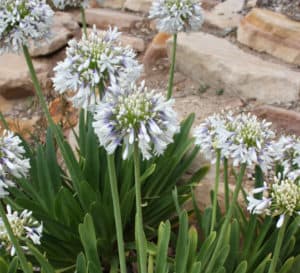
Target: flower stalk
<point>226,184</point>
<point>216,190</point>
<point>83,20</point>
<point>172,68</point>
<point>279,240</point>
<point>117,211</point>
<point>36,83</point>
<point>23,261</point>
<point>139,231</point>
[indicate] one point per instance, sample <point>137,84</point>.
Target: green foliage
<point>62,192</point>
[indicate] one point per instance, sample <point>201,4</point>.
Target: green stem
<point>226,184</point>
<point>83,20</point>
<point>220,242</point>
<point>215,193</point>
<point>172,68</point>
<point>3,121</point>
<point>19,251</point>
<point>278,245</point>
<point>139,231</point>
<point>117,211</point>
<point>36,84</point>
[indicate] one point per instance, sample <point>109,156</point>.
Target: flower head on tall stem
<point>24,227</point>
<point>175,16</point>
<point>12,161</point>
<point>212,135</point>
<point>95,59</point>
<point>280,198</point>
<point>23,21</point>
<point>132,114</point>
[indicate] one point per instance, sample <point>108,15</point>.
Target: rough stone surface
<point>156,50</point>
<point>15,81</point>
<point>103,18</point>
<point>273,33</point>
<point>136,43</point>
<point>222,65</point>
<point>283,120</point>
<point>64,27</point>
<point>225,15</point>
<point>112,4</point>
<point>138,5</point>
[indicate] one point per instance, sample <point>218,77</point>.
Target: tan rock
<point>283,120</point>
<point>273,33</point>
<point>112,4</point>
<point>225,15</point>
<point>64,28</point>
<point>156,50</point>
<point>136,43</point>
<point>138,5</point>
<point>15,80</point>
<point>103,18</point>
<point>220,64</point>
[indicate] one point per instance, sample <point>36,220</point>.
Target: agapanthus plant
<point>24,228</point>
<point>23,21</point>
<point>13,163</point>
<point>92,62</point>
<point>134,114</point>
<point>143,121</point>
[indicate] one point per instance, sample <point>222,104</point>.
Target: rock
<point>225,15</point>
<point>156,50</point>
<point>283,120</point>
<point>222,65</point>
<point>15,80</point>
<point>103,18</point>
<point>136,43</point>
<point>273,33</point>
<point>64,28</point>
<point>138,5</point>
<point>113,4</point>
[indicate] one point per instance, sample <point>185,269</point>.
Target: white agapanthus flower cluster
<point>93,60</point>
<point>286,152</point>
<point>212,135</point>
<point>135,115</point>
<point>62,4</point>
<point>24,228</point>
<point>243,139</point>
<point>281,198</point>
<point>12,161</point>
<point>22,21</point>
<point>175,16</point>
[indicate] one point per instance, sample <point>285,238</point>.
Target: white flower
<point>251,142</point>
<point>286,152</point>
<point>135,115</point>
<point>62,4</point>
<point>281,198</point>
<point>175,16</point>
<point>24,228</point>
<point>212,135</point>
<point>22,21</point>
<point>97,59</point>
<point>12,161</point>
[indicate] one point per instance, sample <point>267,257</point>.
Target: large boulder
<point>271,32</point>
<point>222,65</point>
